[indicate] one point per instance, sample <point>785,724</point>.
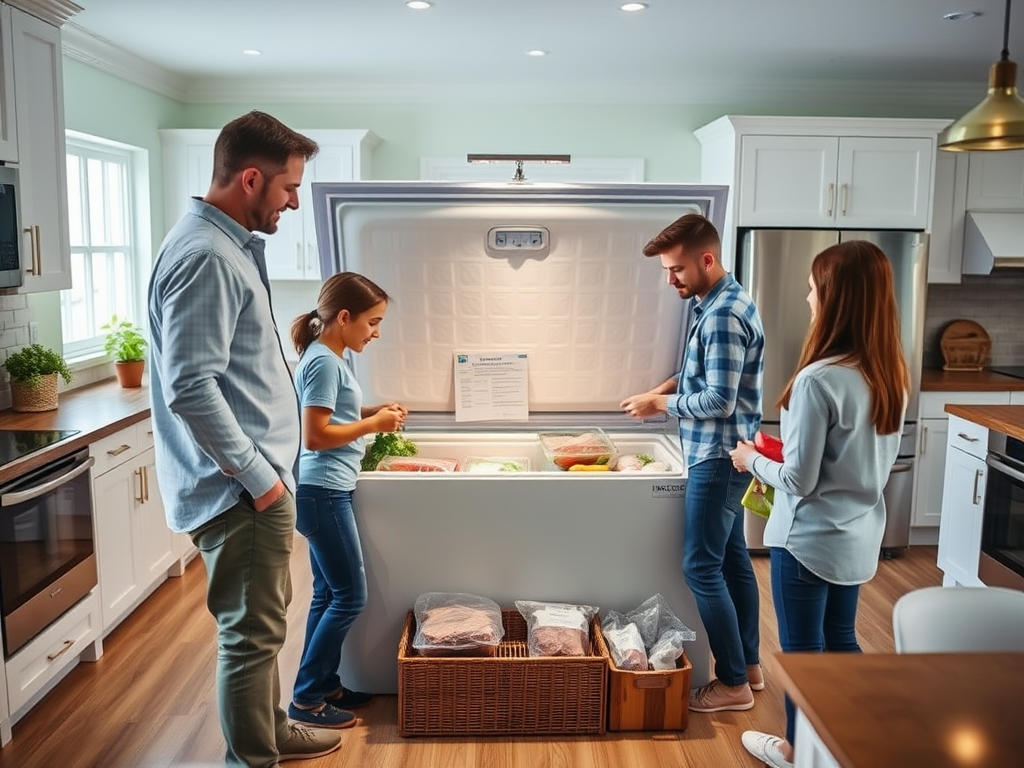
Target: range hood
<point>993,241</point>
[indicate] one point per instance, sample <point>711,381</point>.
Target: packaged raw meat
<point>625,644</point>
<point>557,629</point>
<point>460,623</point>
<point>566,448</point>
<point>416,464</point>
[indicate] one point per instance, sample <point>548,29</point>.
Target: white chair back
<point>952,619</point>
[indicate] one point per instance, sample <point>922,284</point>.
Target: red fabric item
<point>768,446</point>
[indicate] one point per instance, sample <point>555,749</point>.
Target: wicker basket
<point>42,397</point>
<point>510,693</point>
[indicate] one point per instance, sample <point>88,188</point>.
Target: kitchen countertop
<point>97,410</point>
<point>881,710</point>
<point>934,380</point>
<point>1008,419</point>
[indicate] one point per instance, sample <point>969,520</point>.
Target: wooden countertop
<point>879,710</point>
<point>933,380</point>
<point>95,411</point>
<point>1008,419</point>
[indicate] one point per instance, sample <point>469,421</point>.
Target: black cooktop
<point>16,443</point>
<point>1017,371</point>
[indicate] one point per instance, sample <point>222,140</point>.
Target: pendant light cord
<point>1006,34</point>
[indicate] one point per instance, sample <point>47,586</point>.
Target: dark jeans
<point>247,557</point>
<point>326,518</point>
<point>813,615</point>
<point>716,566</point>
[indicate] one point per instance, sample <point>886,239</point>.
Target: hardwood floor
<point>149,702</point>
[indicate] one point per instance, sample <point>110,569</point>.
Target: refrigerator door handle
<point>831,197</point>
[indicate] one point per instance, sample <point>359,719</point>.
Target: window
<point>107,260</point>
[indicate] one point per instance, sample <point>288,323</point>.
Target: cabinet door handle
<point>142,493</point>
<point>37,249</point>
<point>978,475</point>
<point>310,257</point>
<point>831,198</point>
<point>924,440</point>
<point>119,450</point>
<point>66,646</point>
<point>846,196</point>
<point>298,257</point>
<point>968,438</point>
<point>145,484</point>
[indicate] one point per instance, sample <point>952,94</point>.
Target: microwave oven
<point>11,274</point>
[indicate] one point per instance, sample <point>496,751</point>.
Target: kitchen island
<point>876,710</point>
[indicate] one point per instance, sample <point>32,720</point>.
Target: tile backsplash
<point>993,301</point>
<point>14,319</point>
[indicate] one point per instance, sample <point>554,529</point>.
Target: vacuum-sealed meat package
<point>456,623</point>
<point>557,629</point>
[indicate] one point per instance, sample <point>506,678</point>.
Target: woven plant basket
<point>42,397</point>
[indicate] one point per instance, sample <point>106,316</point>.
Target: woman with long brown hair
<point>841,419</point>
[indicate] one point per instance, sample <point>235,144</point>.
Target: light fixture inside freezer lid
<point>519,177</point>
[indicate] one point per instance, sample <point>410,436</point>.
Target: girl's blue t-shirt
<point>325,380</point>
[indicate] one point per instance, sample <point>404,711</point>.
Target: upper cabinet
<point>8,125</point>
<point>842,173</point>
<point>982,182</point>
<point>826,181</point>
<point>39,115</point>
<point>292,254</point>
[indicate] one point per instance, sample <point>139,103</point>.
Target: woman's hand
<point>742,455</point>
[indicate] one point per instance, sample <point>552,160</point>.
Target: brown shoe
<point>755,677</point>
<point>717,697</point>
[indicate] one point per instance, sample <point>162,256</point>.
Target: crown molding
<point>55,12</point>
<point>99,53</point>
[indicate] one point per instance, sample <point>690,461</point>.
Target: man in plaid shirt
<point>717,398</point>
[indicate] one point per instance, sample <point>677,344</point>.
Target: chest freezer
<point>555,273</point>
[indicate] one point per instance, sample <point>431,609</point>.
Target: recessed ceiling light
<point>418,5</point>
<point>960,16</point>
<point>536,52</point>
<point>252,52</point>
<point>633,7</point>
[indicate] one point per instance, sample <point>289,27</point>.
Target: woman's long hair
<point>857,320</point>
<point>345,290</point>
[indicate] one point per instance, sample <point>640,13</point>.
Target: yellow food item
<point>589,468</point>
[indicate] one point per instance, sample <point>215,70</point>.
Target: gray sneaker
<point>303,743</point>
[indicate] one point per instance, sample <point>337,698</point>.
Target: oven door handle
<point>10,499</point>
<point>1006,469</point>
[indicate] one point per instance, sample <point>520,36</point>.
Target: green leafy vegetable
<point>387,444</point>
<point>644,459</point>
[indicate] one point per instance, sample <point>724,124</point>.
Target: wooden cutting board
<point>965,346</point>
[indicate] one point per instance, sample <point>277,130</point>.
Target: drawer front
<point>969,437</point>
<point>933,404</point>
<point>114,450</point>
<point>35,665</point>
<point>144,434</point>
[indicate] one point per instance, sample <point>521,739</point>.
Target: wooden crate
<point>510,693</point>
<point>649,701</point>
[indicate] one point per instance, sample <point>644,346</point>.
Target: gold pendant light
<point>998,122</point>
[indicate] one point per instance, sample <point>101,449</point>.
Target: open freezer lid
<point>553,271</point>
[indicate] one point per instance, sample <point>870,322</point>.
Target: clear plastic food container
<point>416,464</point>
<point>587,445</point>
<point>488,464</point>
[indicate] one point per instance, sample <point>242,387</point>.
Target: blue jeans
<point>247,556</point>
<point>813,614</point>
<point>716,566</point>
<point>326,518</point>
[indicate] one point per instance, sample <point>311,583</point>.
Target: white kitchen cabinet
<point>8,123</point>
<point>1017,398</point>
<point>963,503</point>
<point>828,181</point>
<point>292,252</point>
<point>846,173</point>
<point>932,432</point>
<point>39,109</point>
<point>134,546</point>
<point>995,181</point>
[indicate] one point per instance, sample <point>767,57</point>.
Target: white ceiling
<point>677,51</point>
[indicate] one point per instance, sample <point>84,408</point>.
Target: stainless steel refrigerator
<point>773,265</point>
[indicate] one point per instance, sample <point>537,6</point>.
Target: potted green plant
<point>126,344</point>
<point>33,371</point>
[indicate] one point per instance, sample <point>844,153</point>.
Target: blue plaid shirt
<point>225,412</point>
<point>718,392</point>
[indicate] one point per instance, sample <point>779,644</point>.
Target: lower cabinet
<point>963,503</point>
<point>134,547</point>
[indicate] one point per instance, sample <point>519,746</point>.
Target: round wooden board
<point>965,346</point>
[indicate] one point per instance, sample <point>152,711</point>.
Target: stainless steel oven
<point>47,552</point>
<point>1002,531</point>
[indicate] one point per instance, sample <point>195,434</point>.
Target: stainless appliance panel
<point>1002,530</point>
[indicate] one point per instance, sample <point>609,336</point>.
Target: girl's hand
<point>389,419</point>
<point>742,455</point>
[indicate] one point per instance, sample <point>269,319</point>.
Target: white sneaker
<point>766,748</point>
